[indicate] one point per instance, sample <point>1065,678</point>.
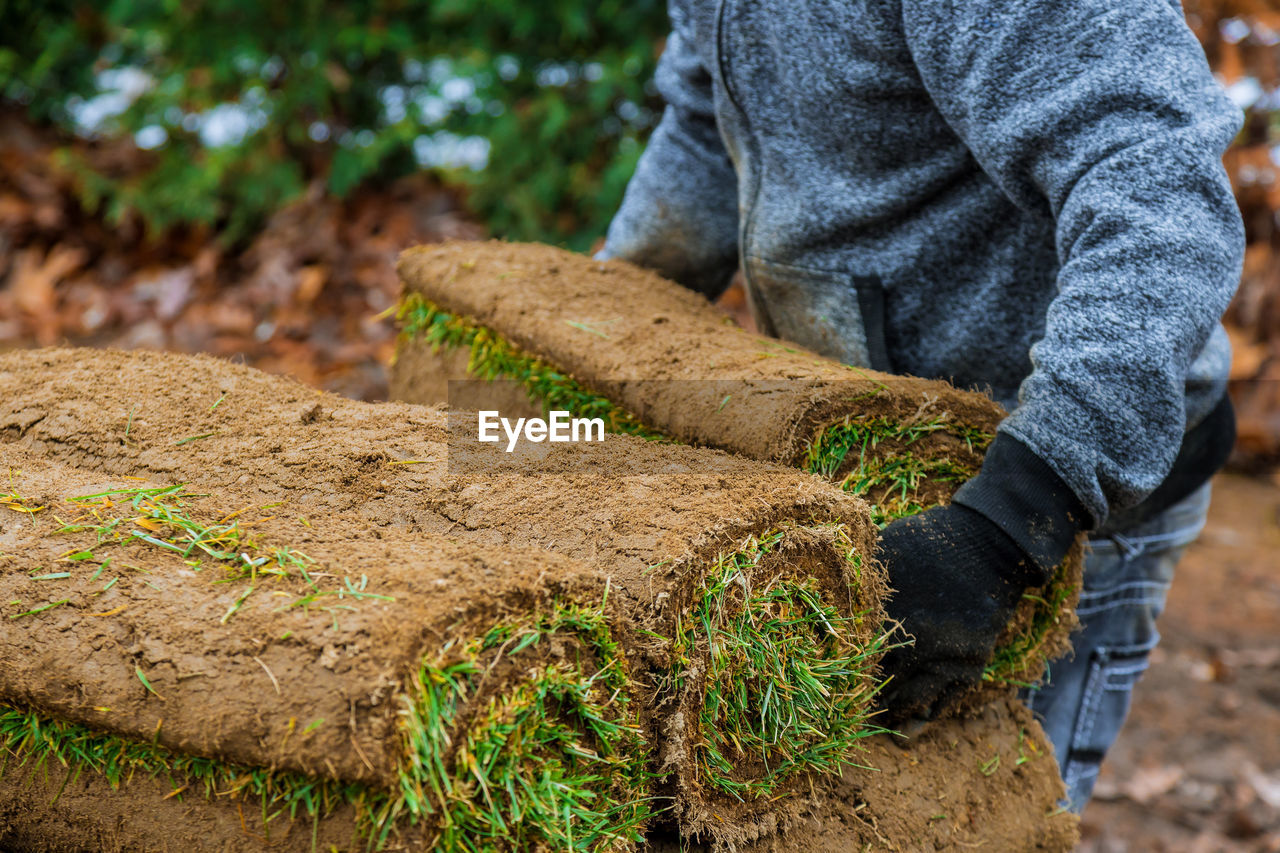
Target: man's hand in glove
<point>958,572</point>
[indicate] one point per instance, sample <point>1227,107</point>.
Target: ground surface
<point>1197,768</point>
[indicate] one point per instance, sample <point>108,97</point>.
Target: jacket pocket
<point>834,313</point>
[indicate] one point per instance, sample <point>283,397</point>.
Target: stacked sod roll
<point>699,639</point>
<point>982,782</point>
<point>308,674</point>
<point>610,340</point>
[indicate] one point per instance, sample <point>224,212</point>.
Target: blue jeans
<point>1085,698</point>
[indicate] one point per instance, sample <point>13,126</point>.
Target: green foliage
<point>343,93</point>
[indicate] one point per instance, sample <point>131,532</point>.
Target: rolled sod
<point>711,620</point>
<point>983,782</point>
<point>316,670</point>
<point>611,340</point>
<point>972,782</point>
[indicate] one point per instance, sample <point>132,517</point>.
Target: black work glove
<point>958,572</point>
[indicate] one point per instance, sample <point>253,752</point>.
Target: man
<point>1022,196</point>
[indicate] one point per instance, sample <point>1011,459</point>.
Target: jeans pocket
<point>833,313</point>
<point>1104,704</point>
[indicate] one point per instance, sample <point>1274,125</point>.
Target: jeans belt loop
<point>1127,547</point>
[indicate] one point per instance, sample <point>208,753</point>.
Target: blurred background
<point>237,178</point>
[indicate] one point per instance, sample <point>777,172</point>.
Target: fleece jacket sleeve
<point>1103,113</point>
<point>680,212</point>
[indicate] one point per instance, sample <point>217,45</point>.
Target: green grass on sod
<point>555,758</point>
<point>891,483</point>
<point>790,681</point>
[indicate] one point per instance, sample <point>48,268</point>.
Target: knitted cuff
<point>1018,492</point>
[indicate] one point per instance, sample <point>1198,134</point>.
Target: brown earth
<point>940,791</point>
<point>78,419</point>
<point>648,520</point>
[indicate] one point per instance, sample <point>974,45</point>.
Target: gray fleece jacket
<point>1025,196</point>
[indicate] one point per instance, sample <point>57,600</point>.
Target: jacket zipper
<point>748,142</point>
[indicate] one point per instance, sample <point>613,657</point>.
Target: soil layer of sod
<point>984,782</point>
<point>315,671</point>
<point>609,339</point>
<point>749,666</point>
<point>218,556</point>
